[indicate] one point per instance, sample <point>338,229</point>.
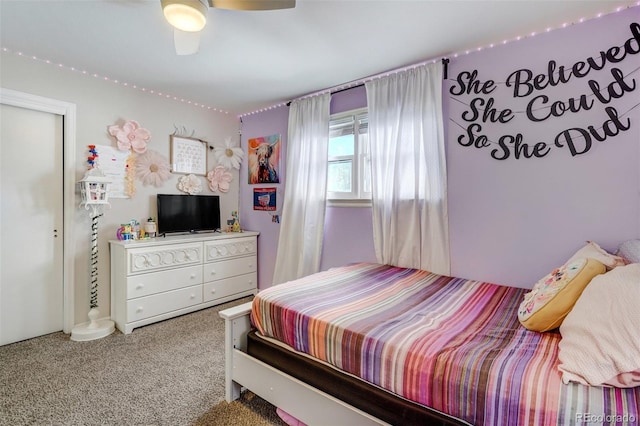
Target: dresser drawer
<point>232,247</point>
<point>156,304</point>
<point>217,289</point>
<point>163,257</point>
<point>229,268</point>
<point>158,282</point>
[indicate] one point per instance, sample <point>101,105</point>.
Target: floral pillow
<point>594,251</point>
<point>552,298</point>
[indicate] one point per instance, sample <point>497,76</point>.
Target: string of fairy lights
<point>115,81</point>
<point>360,82</point>
<point>341,87</point>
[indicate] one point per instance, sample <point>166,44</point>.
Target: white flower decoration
<point>228,155</point>
<point>219,179</point>
<point>190,184</point>
<point>152,168</point>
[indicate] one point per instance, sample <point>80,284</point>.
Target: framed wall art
<point>188,155</point>
<point>264,199</point>
<point>264,159</point>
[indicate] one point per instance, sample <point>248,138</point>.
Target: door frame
<point>68,112</point>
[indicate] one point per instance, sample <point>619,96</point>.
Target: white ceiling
<point>252,60</point>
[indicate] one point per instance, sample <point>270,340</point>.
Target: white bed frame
<point>295,397</point>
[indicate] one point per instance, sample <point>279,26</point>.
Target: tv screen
<point>188,213</point>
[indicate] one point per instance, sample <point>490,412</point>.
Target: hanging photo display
<point>113,164</point>
<point>264,159</point>
<point>543,119</point>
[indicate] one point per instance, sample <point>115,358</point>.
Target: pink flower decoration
<point>219,179</point>
<point>130,136</point>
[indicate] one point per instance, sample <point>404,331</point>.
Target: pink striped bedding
<point>449,343</point>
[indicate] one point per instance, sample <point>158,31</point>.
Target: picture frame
<point>188,155</point>
<point>264,199</point>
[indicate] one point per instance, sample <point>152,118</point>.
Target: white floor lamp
<point>94,190</point>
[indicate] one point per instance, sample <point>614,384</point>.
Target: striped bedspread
<point>452,344</point>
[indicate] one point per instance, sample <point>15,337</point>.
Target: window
<point>349,169</point>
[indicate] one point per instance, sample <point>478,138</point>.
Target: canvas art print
<point>264,199</point>
<point>264,159</point>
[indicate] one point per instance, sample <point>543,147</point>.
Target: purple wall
<point>341,224</point>
<point>511,221</point>
<point>348,231</point>
<point>271,122</point>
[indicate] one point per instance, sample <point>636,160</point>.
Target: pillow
<point>594,251</point>
<point>551,299</point>
<point>600,340</point>
<point>630,251</point>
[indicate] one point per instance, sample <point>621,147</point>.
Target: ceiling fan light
<point>185,15</point>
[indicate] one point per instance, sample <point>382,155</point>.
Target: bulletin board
<point>113,163</point>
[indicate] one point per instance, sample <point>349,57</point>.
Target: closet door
<point>31,220</point>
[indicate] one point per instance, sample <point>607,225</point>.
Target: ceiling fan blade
<point>186,42</point>
<point>252,4</point>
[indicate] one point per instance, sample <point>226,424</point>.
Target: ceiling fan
<point>189,17</point>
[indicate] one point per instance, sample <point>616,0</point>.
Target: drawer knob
<point>140,309</point>
<point>213,291</point>
<point>193,276</point>
<point>140,286</point>
<point>193,296</point>
<point>213,272</point>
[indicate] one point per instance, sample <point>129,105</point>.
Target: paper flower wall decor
<point>228,155</point>
<point>219,179</point>
<point>130,136</point>
<point>190,184</point>
<point>152,168</point>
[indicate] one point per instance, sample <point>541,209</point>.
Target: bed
<point>377,344</point>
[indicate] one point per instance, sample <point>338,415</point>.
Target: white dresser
<point>156,279</point>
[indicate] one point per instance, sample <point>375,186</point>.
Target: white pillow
<point>600,343</point>
<point>630,251</point>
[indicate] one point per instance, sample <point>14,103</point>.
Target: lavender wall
<point>348,231</point>
<point>511,221</point>
<point>341,224</point>
<point>271,122</point>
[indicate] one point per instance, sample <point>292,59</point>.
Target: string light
<point>111,80</point>
<point>336,88</point>
<point>454,55</point>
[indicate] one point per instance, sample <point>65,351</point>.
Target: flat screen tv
<point>188,213</point>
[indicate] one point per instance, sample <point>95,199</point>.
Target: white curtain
<point>409,175</point>
<point>302,224</point>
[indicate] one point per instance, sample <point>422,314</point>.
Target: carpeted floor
<point>249,410</point>
<point>168,373</point>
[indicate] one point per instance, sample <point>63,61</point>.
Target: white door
<point>31,220</point>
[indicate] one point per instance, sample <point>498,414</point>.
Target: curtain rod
<point>445,63</point>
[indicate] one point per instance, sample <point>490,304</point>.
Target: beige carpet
<point>249,410</point>
<point>168,373</point>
